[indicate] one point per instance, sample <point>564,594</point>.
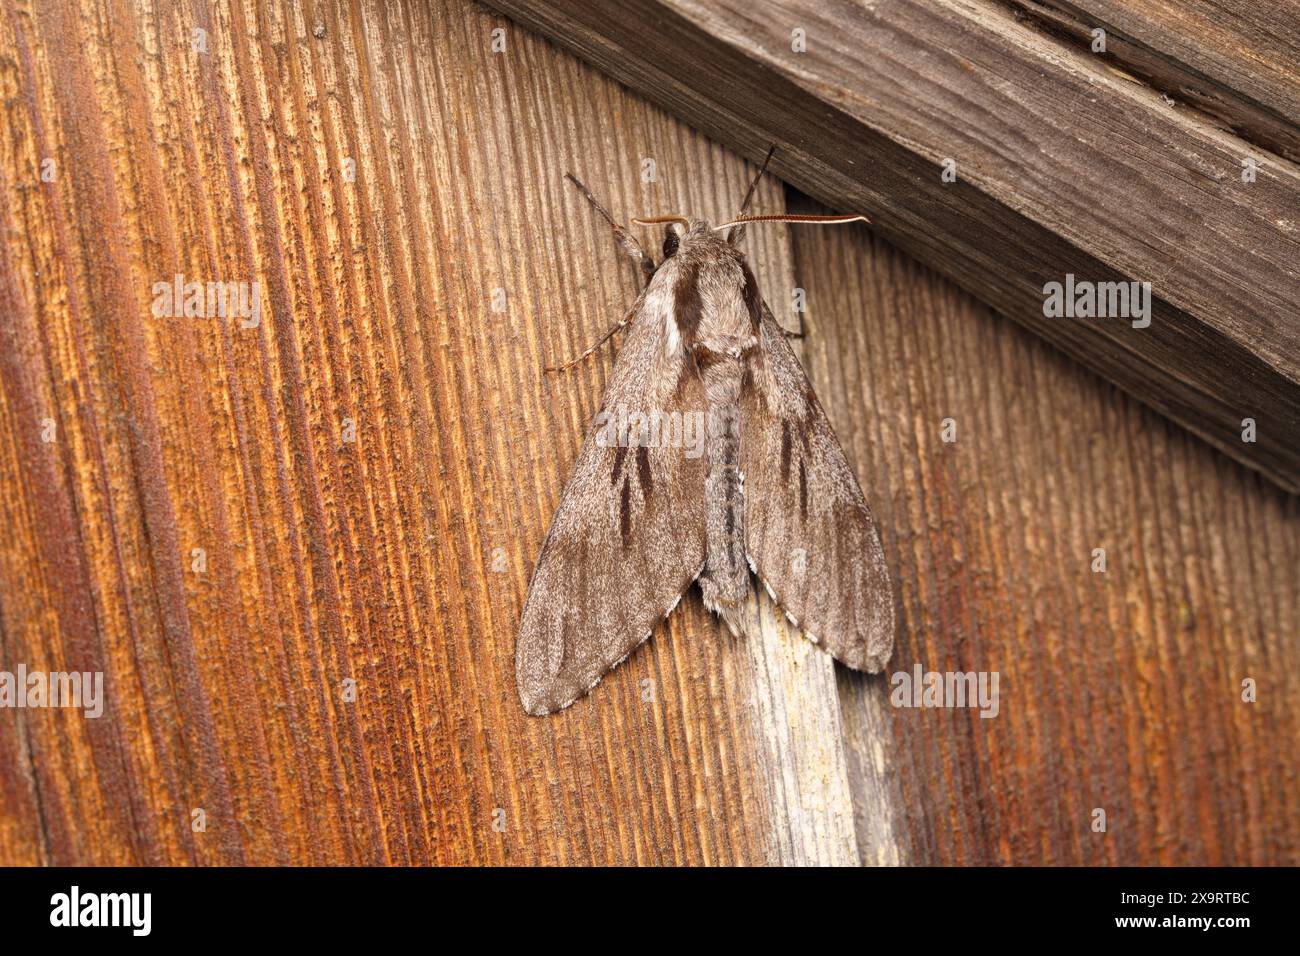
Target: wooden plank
<point>233,522</point>
<point>1063,167</point>
<point>328,559</point>
<point>1237,62</point>
<point>1119,690</point>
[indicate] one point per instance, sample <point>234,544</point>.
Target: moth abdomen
<point>725,583</point>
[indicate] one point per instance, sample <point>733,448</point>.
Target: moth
<point>710,458</point>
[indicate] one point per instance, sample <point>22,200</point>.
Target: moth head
<point>678,230</point>
<point>671,241</point>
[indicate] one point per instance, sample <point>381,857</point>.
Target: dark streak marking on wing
<point>643,471</point>
<point>625,515</point>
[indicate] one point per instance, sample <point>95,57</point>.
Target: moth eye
<point>670,241</point>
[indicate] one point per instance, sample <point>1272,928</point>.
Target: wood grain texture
<point>1237,62</point>
<point>1064,167</point>
<point>377,560</point>
<point>1119,690</point>
<point>381,173</point>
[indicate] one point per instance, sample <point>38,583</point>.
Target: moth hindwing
<point>710,457</point>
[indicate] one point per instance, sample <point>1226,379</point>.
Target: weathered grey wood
<point>1236,60</point>
<point>801,753</point>
<point>1063,166</point>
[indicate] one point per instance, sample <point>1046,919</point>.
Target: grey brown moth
<point>711,458</point>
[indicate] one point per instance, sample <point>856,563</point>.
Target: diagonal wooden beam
<point>1237,62</point>
<point>1065,166</point>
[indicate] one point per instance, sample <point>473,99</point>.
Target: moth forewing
<point>810,536</point>
<point>627,538</point>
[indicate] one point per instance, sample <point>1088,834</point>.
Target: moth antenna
<point>657,220</point>
<point>817,220</point>
<point>738,233</point>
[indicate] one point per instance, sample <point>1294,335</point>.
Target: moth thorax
<point>726,319</point>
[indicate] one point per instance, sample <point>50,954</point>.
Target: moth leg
<point>601,341</point>
<point>621,235</point>
<point>791,334</point>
